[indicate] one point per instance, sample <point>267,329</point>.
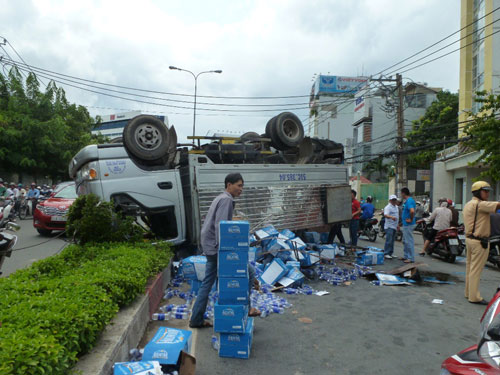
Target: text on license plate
<point>453,241</point>
<point>461,236</point>
<point>58,218</point>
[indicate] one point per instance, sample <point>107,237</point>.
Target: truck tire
<point>146,137</point>
<point>249,137</point>
<point>269,126</point>
<point>288,129</point>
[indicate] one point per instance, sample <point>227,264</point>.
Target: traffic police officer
<point>477,230</point>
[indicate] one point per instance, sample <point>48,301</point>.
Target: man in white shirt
<point>391,214</point>
<point>442,219</point>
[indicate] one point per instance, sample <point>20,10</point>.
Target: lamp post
<point>195,76</point>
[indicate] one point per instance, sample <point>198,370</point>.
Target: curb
<point>124,331</point>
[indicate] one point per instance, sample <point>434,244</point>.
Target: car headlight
<point>89,171</point>
<point>42,209</point>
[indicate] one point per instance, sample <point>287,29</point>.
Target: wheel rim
<point>290,129</point>
<point>148,137</point>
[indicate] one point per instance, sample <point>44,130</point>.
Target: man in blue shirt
<point>33,195</point>
<point>367,210</point>
<point>409,223</point>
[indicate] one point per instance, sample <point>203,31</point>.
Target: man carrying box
<point>221,209</point>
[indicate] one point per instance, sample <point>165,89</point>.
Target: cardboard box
<point>232,263</point>
<point>234,235</point>
<point>369,258</point>
<point>230,318</point>
<point>252,254</point>
<point>233,290</point>
<point>274,271</point>
<point>275,245</point>
<point>292,264</point>
<point>237,345</point>
<point>266,233</point>
<point>328,252</point>
<point>166,345</point>
<point>194,267</point>
<point>296,243</point>
<point>310,258</point>
<point>323,237</point>
<point>312,237</point>
<point>293,277</point>
<point>286,234</point>
<point>137,368</point>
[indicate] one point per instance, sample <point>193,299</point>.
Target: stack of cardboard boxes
<point>231,311</point>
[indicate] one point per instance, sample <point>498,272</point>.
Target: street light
<point>195,76</point>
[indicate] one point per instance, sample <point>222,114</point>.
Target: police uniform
<point>477,255</point>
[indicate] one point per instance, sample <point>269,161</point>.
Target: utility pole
<point>401,157</point>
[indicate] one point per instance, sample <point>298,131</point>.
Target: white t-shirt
<point>391,211</point>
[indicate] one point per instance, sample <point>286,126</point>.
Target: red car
<point>51,214</point>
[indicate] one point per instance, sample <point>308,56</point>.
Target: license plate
<point>58,218</point>
<point>453,241</point>
<point>461,237</point>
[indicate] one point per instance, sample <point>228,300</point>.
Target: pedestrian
<point>477,231</point>
<point>221,209</point>
<point>409,223</point>
<point>336,231</point>
<point>442,219</point>
<point>426,205</point>
<point>3,189</point>
<point>454,213</point>
<point>354,224</point>
<point>391,224</point>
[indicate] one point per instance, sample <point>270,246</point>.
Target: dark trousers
<point>353,231</point>
<point>336,231</point>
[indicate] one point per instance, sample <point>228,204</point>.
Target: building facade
<point>375,120</point>
<point>332,107</point>
<point>452,173</point>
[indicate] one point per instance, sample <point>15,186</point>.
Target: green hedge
<point>55,310</point>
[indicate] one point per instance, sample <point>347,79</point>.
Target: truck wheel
<point>288,129</point>
<point>249,136</point>
<point>269,126</point>
<point>146,137</point>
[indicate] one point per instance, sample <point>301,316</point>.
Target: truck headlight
<point>89,171</point>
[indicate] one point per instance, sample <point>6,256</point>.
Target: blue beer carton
<point>310,258</point>
<point>237,345</point>
<point>233,290</point>
<point>292,264</point>
<point>369,258</point>
<point>323,237</point>
<point>296,243</point>
<point>137,368</point>
<point>234,235</point>
<point>166,345</point>
<point>286,234</point>
<point>293,277</point>
<point>230,318</point>
<point>232,263</point>
<point>252,254</point>
<point>266,233</point>
<point>274,271</point>
<point>328,252</point>
<point>312,237</point>
<point>193,267</point>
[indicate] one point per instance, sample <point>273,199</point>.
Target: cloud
<point>265,48</point>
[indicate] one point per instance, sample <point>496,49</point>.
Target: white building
<point>112,125</point>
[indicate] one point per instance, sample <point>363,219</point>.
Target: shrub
<point>55,310</point>
<point>91,220</point>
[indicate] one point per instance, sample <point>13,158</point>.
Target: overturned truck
<point>291,181</point>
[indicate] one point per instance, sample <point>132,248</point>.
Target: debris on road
<point>438,301</point>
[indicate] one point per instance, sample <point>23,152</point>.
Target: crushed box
<point>293,277</point>
<point>234,235</point>
<point>274,271</point>
<point>237,345</point>
<point>233,290</point>
<point>166,345</point>
<point>266,232</point>
<point>369,257</point>
<point>193,267</point>
<point>137,368</point>
<point>230,318</point>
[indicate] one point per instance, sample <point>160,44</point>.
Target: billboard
<point>339,84</point>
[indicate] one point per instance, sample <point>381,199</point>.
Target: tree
<point>439,123</point>
<point>40,132</point>
<point>378,166</point>
<point>484,130</point>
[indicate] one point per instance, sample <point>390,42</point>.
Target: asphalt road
<point>362,328</point>
<point>27,237</point>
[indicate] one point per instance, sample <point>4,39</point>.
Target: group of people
<point>12,192</point>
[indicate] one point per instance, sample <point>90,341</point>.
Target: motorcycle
<point>366,228</point>
<point>483,358</point>
<point>421,224</point>
<point>7,241</point>
<point>445,243</point>
<point>494,254</point>
<point>381,230</point>
<point>6,212</point>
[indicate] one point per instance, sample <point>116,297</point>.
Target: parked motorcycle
<point>483,358</point>
<point>445,243</point>
<point>7,241</point>
<point>381,230</point>
<point>5,212</point>
<point>367,229</point>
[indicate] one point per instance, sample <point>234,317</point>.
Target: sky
<point>264,48</point>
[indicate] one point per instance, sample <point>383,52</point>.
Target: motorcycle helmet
<point>19,185</point>
<point>450,202</point>
<point>1,180</point>
<point>480,185</point>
